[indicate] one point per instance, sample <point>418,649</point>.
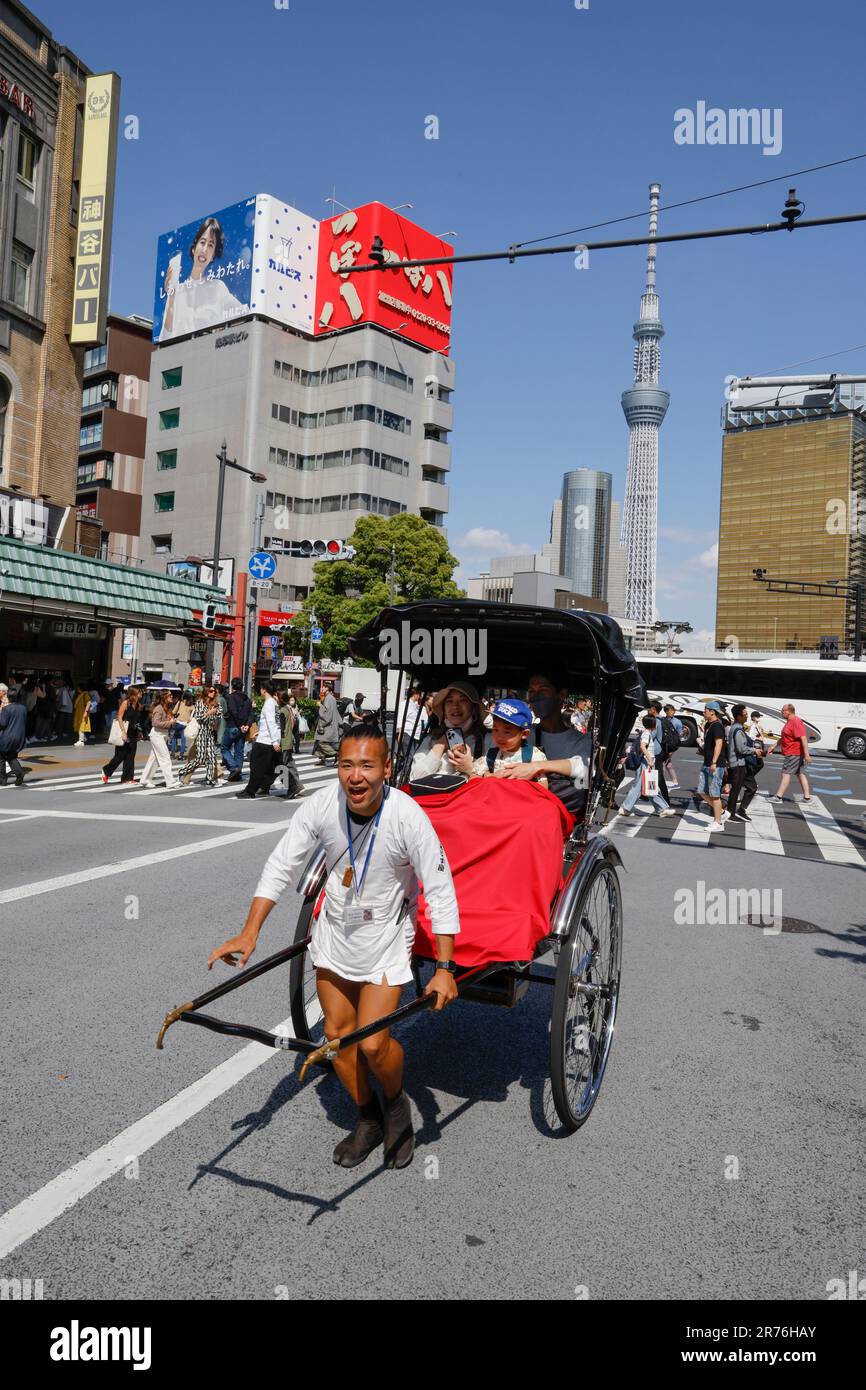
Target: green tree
<point>348,593</point>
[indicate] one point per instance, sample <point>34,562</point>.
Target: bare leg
<point>804,783</point>
<point>784,784</point>
<point>716,805</point>
<point>382,1053</point>
<point>339,1001</point>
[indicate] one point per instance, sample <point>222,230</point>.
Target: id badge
<point>357,916</point>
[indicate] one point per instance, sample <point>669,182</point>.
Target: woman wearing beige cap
<point>458,737</point>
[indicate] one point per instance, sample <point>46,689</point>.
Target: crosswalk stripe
<point>762,832</point>
<point>693,829</point>
<point>833,843</point>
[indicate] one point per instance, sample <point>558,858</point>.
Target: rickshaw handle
<point>228,985</point>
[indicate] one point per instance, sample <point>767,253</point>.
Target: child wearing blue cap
<point>512,721</point>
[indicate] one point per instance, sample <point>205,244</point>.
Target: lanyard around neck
<point>359,887</point>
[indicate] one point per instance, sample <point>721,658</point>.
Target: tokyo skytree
<point>644,407</point>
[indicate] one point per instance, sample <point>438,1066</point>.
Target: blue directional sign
<point>317,634</point>
<point>262,565</point>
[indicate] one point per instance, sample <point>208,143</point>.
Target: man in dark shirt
<point>712,773</point>
<point>238,717</point>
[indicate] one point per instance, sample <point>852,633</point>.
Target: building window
<point>395,422</point>
<point>19,291</point>
<point>28,155</point>
<point>365,412</point>
<point>338,373</point>
<point>161,545</point>
<point>165,459</point>
<point>5,397</point>
<point>90,435</point>
<point>307,420</point>
<point>169,419</point>
<point>304,506</point>
<point>95,357</point>
<point>394,465</point>
<point>103,393</point>
<point>97,470</point>
<point>163,501</point>
<point>398,379</point>
<point>172,378</point>
<point>278,458</point>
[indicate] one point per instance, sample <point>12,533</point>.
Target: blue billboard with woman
<point>204,272</point>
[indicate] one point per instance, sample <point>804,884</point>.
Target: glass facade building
<point>585,530</point>
<point>791,483</point>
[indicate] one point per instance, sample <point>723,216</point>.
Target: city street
<point>722,1160</point>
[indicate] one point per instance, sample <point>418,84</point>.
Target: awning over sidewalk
<point>37,579</point>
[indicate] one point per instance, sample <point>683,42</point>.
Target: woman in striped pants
<point>204,751</point>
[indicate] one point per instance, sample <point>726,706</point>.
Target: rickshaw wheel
<point>307,1017</point>
<point>581,1030</point>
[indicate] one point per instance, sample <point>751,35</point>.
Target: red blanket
<point>503,841</point>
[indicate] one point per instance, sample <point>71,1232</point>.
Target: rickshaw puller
<point>378,843</point>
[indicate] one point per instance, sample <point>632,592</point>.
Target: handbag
<point>252,732</point>
<point>649,782</point>
<point>303,725</point>
<point>191,730</point>
<point>117,733</point>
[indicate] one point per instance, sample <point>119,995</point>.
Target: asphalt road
<point>722,1160</point>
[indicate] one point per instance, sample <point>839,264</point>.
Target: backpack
<point>671,740</point>
<point>753,762</point>
<point>633,756</point>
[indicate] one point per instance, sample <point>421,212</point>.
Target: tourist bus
<point>830,695</point>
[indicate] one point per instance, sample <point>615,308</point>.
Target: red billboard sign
<point>415,302</point>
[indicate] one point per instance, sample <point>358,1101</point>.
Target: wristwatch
<point>448,965</point>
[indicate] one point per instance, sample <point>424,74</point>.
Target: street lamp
<point>822,588</point>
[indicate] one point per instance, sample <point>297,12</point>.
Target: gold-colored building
<point>791,483</point>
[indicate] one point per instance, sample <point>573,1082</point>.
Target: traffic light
<point>322,550</point>
<point>209,617</point>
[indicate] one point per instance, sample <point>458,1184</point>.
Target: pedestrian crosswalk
<point>795,829</point>
<point>90,783</point>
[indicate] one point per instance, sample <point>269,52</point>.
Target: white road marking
<point>762,833</point>
<point>833,843</point>
<point>143,861</point>
<point>693,829</point>
<point>37,1211</point>
<point>852,801</point>
<point>149,820</point>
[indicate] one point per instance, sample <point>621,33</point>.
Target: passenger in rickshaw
<point>512,722</point>
<point>566,752</point>
<point>457,735</point>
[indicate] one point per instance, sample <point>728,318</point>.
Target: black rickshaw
<point>584,939</point>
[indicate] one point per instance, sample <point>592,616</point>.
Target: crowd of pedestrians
<point>734,746</point>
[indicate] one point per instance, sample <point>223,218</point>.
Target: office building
<point>793,480</point>
<point>340,397</point>
<point>585,530</point>
<point>616,564</point>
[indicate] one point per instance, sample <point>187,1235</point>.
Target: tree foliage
<point>348,593</point>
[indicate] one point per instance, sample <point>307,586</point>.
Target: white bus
<point>831,695</point>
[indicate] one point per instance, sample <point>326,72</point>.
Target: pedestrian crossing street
<point>795,829</point>
<point>90,784</point>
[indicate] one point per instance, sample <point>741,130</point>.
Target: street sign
<point>262,565</point>
<point>262,585</point>
<point>317,634</point>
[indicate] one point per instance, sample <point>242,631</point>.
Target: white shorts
<point>364,955</point>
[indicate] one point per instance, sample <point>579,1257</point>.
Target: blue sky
<point>550,118</point>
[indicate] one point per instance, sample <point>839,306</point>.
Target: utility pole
<point>314,622</point>
<point>252,603</point>
<point>393,571</point>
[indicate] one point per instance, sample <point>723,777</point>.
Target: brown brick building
<point>41,93</point>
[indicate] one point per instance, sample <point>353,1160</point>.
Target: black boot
<point>399,1135</point>
<point>365,1137</point>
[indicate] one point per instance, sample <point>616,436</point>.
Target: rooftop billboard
<point>204,272</point>
<point>415,302</point>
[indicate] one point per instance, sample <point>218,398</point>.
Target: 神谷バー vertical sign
<point>95,208</point>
